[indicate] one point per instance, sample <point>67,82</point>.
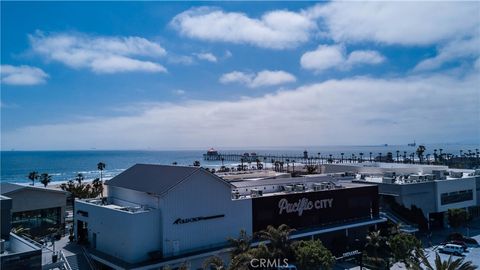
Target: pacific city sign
<point>302,205</point>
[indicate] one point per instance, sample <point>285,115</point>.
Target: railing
<point>65,262</point>
<point>91,264</point>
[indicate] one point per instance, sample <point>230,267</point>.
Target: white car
<point>452,249</point>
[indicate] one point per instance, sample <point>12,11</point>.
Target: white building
<point>159,215</point>
<point>433,189</point>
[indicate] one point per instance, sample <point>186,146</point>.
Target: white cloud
<point>373,110</point>
<point>334,56</point>
<point>406,23</point>
<point>179,92</point>
<point>262,78</point>
<point>452,51</point>
<point>206,56</point>
<point>22,75</point>
<point>98,53</point>
<point>279,29</point>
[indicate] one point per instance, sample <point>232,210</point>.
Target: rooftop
<point>150,178</point>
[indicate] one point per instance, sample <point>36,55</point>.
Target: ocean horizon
<point>64,165</point>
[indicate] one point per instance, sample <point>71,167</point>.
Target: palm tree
<point>214,261</point>
<point>101,167</point>
<point>439,264</point>
<point>279,239</point>
<point>196,163</point>
<point>33,176</point>
<point>371,156</point>
<point>241,244</point>
<point>420,151</point>
<point>79,178</point>
<point>361,157</point>
<point>398,152</point>
<point>45,178</point>
<point>342,157</point>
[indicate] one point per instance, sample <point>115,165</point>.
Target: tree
<point>214,262</point>
<point>101,167</point>
<point>33,176</point>
<point>376,246</point>
<point>403,245</point>
<point>312,255</point>
<point>457,217</point>
<point>79,178</point>
<point>279,240</point>
<point>196,163</point>
<point>421,262</point>
<point>45,179</point>
<point>420,150</point>
<point>241,244</point>
<point>97,188</point>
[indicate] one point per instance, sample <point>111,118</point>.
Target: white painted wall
<point>202,195</point>
<point>452,185</point>
<point>127,236</point>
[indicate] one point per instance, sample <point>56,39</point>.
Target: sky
<point>185,75</point>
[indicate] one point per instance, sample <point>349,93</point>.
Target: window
<point>456,196</point>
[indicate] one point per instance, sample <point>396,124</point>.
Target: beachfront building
<point>432,189</point>
<point>158,215</point>
<point>16,253</point>
<point>35,208</point>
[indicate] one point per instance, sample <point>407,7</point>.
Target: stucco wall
<point>127,236</point>
<point>452,186</point>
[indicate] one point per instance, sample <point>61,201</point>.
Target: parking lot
<point>472,254</point>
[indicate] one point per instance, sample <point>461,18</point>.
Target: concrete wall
<point>200,195</point>
<point>127,236</point>
<point>453,185</point>
<point>36,198</point>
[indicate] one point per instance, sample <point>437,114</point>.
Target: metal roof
<point>282,181</point>
<point>153,178</point>
<point>7,188</point>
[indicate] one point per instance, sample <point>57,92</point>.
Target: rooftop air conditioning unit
<point>257,192</point>
<point>317,186</point>
<point>299,187</point>
<point>236,194</point>
<point>288,188</point>
<point>439,174</point>
<point>456,174</point>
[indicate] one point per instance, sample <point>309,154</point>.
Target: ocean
<point>65,165</point>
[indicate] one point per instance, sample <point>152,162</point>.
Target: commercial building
<point>159,215</point>
<point>35,208</point>
<point>17,253</point>
<point>433,189</point>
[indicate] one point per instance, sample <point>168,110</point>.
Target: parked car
<point>452,249</point>
<point>457,242</point>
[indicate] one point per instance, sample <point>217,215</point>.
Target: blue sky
<point>152,75</point>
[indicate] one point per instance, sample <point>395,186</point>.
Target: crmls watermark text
<point>268,263</point>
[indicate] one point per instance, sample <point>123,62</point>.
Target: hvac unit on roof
<point>235,194</point>
<point>256,192</point>
<point>288,188</point>
<point>299,187</point>
<point>456,174</point>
